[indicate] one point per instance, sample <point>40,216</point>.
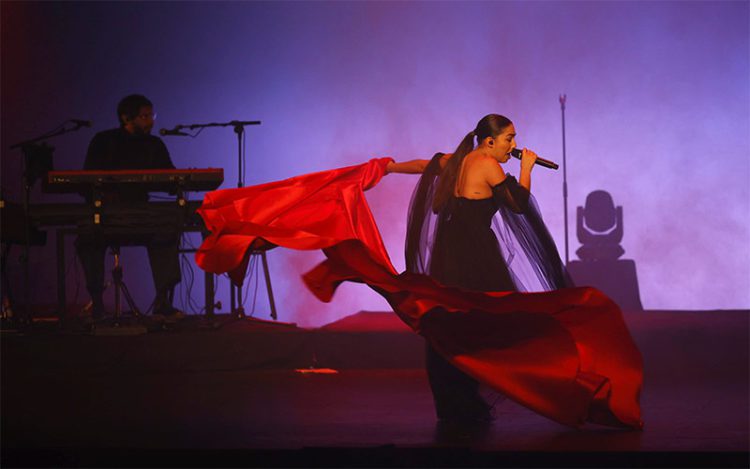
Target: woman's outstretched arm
<point>407,167</point>
<point>415,166</point>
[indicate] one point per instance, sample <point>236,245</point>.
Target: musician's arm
<point>96,158</point>
<point>96,154</point>
<point>164,160</point>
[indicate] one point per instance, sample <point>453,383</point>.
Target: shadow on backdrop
<point>600,229</point>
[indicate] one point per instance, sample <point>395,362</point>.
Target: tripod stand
<point>121,288</point>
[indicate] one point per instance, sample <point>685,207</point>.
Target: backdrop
<point>658,115</point>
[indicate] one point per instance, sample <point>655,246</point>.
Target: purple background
<point>658,114</point>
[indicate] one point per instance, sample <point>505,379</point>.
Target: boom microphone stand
<point>235,291</point>
<point>563,99</point>
<point>36,162</point>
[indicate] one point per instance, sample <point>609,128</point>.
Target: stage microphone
<point>516,153</point>
<point>80,122</point>
<point>176,132</point>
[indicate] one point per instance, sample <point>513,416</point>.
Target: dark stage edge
<point>224,393</point>
<point>381,456</point>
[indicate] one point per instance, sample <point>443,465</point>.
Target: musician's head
<point>496,136</point>
<point>136,114</point>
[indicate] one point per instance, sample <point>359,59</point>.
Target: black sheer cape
<point>527,246</point>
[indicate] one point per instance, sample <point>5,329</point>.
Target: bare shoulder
<point>490,170</point>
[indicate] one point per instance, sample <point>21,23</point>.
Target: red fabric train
<point>566,354</point>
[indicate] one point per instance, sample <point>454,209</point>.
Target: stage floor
<point>227,392</point>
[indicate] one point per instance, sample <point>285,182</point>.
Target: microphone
<point>176,132</point>
<point>80,122</point>
<point>516,153</point>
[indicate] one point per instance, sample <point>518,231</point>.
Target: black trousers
<point>163,255</point>
<point>456,394</point>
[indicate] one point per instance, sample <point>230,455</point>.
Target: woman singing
<point>484,283</point>
<point>465,190</point>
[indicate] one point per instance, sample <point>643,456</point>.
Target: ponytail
<point>447,180</point>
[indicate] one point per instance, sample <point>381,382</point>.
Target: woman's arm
<point>511,194</point>
<point>407,167</point>
<point>415,166</point>
<point>491,171</point>
<point>528,158</point>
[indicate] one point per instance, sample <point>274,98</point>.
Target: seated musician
<point>131,146</point>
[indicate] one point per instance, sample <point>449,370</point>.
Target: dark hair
<point>131,106</point>
<point>490,125</point>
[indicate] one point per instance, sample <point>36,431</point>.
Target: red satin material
<point>312,211</point>
<point>565,354</point>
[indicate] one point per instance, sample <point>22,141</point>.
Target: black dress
<point>458,247</point>
<point>466,252</point>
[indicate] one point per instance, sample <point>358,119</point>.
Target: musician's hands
<point>528,158</point>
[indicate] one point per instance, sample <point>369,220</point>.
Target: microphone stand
<point>235,291</point>
<point>239,129</point>
<point>46,136</point>
<point>31,170</point>
<point>563,99</point>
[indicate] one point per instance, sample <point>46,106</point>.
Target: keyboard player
<point>130,146</point>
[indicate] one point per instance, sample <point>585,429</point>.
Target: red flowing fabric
<point>566,354</point>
